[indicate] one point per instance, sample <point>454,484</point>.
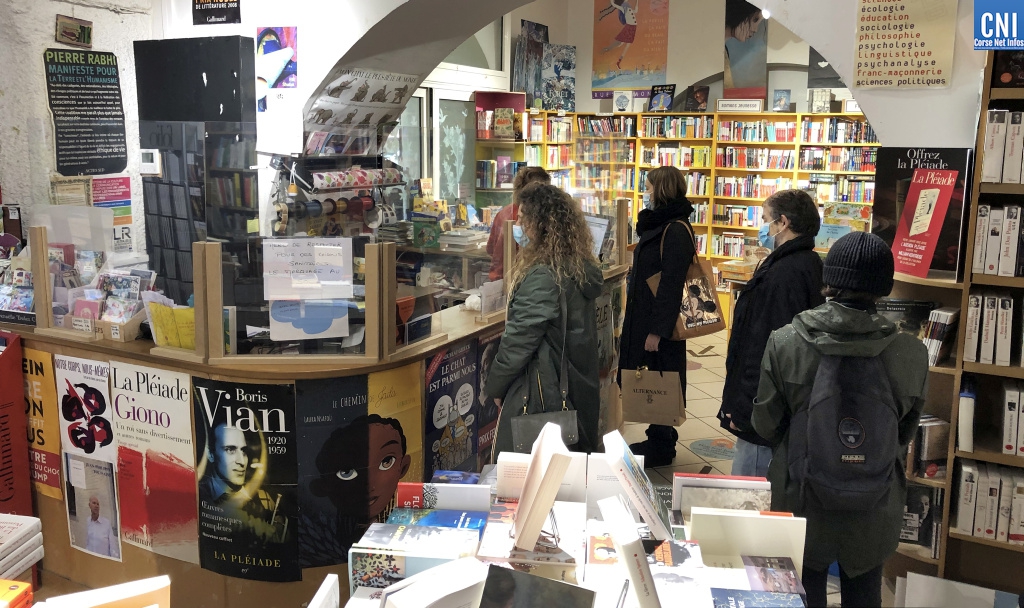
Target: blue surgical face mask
<point>647,200</point>
<point>766,240</point>
<point>519,235</point>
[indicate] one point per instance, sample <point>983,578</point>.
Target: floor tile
<point>712,389</point>
<point>693,428</point>
<point>657,477</point>
<point>702,375</point>
<point>693,393</point>
<point>704,407</point>
<point>715,448</point>
<point>687,468</point>
<point>723,470</point>
<point>684,457</point>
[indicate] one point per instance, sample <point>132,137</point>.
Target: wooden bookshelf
<point>921,554</point>
<point>933,483</point>
<point>987,188</point>
<point>987,542</point>
<point>997,281</point>
<point>1007,94</point>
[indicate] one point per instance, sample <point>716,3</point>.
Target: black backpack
<point>844,447</point>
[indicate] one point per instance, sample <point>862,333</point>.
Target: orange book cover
<point>15,594</point>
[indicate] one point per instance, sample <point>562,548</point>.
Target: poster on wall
<point>451,412</point>
<point>359,108</point>
<point>15,477</point>
<point>746,51</point>
<point>529,62</point>
<point>630,46</point>
<point>43,427</point>
<point>894,171</point>
<point>558,77</point>
<point>85,413</point>
<point>115,193</point>
<point>904,45</point>
<point>83,89</point>
<point>214,12</point>
<point>156,477</point>
<point>90,497</point>
<point>923,213</point>
<point>487,414</point>
<point>246,467</point>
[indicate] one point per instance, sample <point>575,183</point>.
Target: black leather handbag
<point>526,425</point>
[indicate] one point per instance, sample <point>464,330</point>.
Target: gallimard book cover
<point>246,467</point>
<point>156,474</point>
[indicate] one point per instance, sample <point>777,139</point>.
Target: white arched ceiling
<point>909,117</point>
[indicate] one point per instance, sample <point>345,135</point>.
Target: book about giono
<point>156,474</point>
<point>924,212</point>
<point>246,467</point>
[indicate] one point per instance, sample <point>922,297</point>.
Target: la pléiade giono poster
<point>246,467</point>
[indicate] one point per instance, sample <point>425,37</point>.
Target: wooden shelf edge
<point>942,369</point>
<point>987,542</point>
<point>1007,94</point>
<point>916,552</point>
<point>934,483</point>
<point>943,283</point>
<point>993,457</point>
<point>1003,371</point>
<point>997,281</point>
<point>990,188</point>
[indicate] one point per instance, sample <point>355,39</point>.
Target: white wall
<point>26,144</point>
<point>552,13</point>
<point>918,117</point>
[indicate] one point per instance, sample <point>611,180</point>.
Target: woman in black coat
<point>650,318</point>
<point>785,284</point>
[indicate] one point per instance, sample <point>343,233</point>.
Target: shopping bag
<point>652,397</point>
<point>700,312</point>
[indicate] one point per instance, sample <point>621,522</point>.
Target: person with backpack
<point>786,283</point>
<point>840,397</point>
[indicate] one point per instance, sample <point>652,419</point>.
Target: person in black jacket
<point>785,284</point>
<point>650,318</point>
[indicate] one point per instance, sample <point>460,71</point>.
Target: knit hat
<point>859,261</point>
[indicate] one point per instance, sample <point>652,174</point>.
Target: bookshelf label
<point>740,105</point>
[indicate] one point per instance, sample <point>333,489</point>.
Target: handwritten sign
<point>307,268</point>
<point>904,45</point>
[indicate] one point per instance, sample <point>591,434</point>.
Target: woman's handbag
<point>652,397</point>
<point>700,312</point>
<point>526,426</point>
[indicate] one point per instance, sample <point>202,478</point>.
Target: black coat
<point>650,314</point>
<point>787,283</point>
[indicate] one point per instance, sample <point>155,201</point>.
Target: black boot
<point>659,449</point>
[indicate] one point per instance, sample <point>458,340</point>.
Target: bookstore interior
<point>354,218</point>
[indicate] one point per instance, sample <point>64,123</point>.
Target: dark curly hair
<point>559,237</point>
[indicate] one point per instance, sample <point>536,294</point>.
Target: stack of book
<point>21,545</point>
<point>991,502</point>
<point>756,131</point>
<point>15,594</point>
<point>463,240</point>
<point>926,454</point>
<point>990,335</point>
<point>997,242</point>
<point>838,131</point>
<point>922,518</point>
<point>1013,429</point>
<point>728,244</point>
<point>1004,147</point>
<point>399,232</point>
<point>940,333</point>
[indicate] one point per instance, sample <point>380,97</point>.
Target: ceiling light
<point>766,13</point>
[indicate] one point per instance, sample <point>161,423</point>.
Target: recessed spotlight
<point>766,13</point>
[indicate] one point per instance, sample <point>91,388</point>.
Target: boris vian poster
<point>630,46</point>
<point>246,467</point>
<point>156,475</point>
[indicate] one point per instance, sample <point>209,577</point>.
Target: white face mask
<point>647,200</point>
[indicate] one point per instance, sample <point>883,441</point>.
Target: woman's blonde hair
<point>667,184</point>
<point>559,237</point>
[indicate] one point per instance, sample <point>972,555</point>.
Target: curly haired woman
<point>555,261</point>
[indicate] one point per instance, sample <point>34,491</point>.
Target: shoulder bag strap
<point>693,239</point>
<point>563,377</point>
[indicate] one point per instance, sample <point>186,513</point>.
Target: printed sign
<point>215,12</point>
<point>91,501</point>
<point>904,45</point>
<point>451,412</point>
<point>84,93</point>
<point>85,413</point>
<point>246,467</point>
<point>998,25</point>
<point>156,475</point>
<point>923,214</point>
<point>43,428</point>
<point>115,193</point>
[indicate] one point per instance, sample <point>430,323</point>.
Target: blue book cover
<point>465,477</point>
<point>439,518</point>
<point>732,598</point>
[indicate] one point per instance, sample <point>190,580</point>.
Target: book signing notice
<point>904,44</point>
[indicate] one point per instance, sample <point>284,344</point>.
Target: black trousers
<point>864,591</point>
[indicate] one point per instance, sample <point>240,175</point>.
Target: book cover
<point>43,425</point>
<point>662,97</point>
<point>1011,237</point>
<point>451,378</point>
<point>422,540</point>
<point>247,476</point>
<point>567,547</point>
<point>994,240</point>
<point>155,460</point>
<point>508,587</point>
<point>359,436</point>
<point>920,225</point>
<point>780,102</point>
<point>981,500</point>
<point>774,574</point>
<point>622,102</point>
<point>416,495</point>
<point>909,316</point>
<point>88,309</point>
<point>90,498</point>
<point>1011,409</point>
<point>464,477</point>
<point>972,330</point>
<point>1020,425</point>
<point>734,598</point>
<point>503,123</point>
<point>894,170</point>
<point>995,143</point>
<point>16,530</point>
<point>1013,155</point>
<point>990,315</point>
<point>918,515</point>
<point>487,412</point>
<point>967,494</point>
<point>1006,489</point>
<point>637,485</point>
<point>981,238</point>
<point>440,518</point>
<point>10,559</point>
<point>724,498</point>
<point>328,595</point>
<point>86,416</point>
<point>1015,535</point>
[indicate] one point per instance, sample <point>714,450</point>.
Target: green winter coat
<point>860,541</point>
<point>529,358</point>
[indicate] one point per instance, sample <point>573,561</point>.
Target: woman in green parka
<point>555,260</point>
<point>858,270</point>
